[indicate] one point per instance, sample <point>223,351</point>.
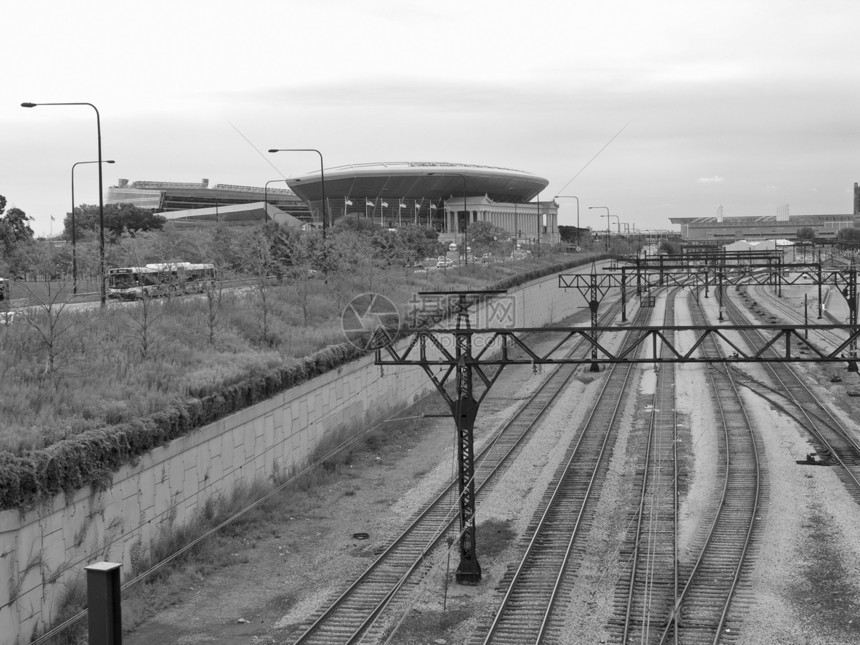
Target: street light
<point>101,197</point>
<point>74,252</point>
<point>607,223</point>
<point>322,178</point>
<point>617,221</point>
<point>465,208</point>
<point>266,196</point>
<point>577,215</point>
<point>516,226</point>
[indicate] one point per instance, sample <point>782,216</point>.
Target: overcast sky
<point>751,105</point>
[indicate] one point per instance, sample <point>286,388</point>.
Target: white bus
<point>159,279</point>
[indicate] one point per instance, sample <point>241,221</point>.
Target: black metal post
<point>103,603</point>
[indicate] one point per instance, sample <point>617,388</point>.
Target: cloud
<point>715,179</point>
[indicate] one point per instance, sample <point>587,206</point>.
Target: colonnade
<point>520,220</point>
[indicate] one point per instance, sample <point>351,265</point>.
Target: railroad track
<point>366,607</point>
<point>532,592</point>
<point>778,309</point>
<point>835,443</point>
<point>704,610</point>
<point>648,581</point>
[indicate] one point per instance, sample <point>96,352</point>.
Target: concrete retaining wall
<point>43,550</point>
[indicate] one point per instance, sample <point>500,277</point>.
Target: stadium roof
<point>233,214</point>
<point>419,179</point>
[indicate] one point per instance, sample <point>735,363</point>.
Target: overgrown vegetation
<point>88,390</point>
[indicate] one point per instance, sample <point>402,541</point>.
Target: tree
<point>14,228</point>
<point>669,247</point>
<point>805,234</point>
<point>118,218</point>
<point>419,242</point>
<point>220,249</point>
<point>355,260</point>
<point>485,237</point>
<point>572,234</point>
<point>849,237</point>
<point>47,317</point>
<point>257,260</point>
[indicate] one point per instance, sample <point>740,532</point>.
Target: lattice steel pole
<point>851,299</point>
<point>465,411</point>
<point>593,305</point>
<point>623,294</point>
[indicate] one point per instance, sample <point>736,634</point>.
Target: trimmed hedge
<point>90,458</point>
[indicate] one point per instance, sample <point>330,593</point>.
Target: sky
<point>667,108</point>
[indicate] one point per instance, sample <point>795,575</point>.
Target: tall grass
<point>102,375</point>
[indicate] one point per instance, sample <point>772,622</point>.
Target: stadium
<point>441,195</point>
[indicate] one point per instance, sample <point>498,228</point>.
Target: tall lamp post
<point>322,179</point>
<point>266,196</point>
<point>516,228</point>
<point>608,231</point>
<point>577,214</point>
<point>102,297</point>
<point>74,251</point>
<point>607,223</point>
<point>465,209</point>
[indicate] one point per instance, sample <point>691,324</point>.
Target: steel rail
<point>547,527</point>
<point>549,390</point>
<point>788,383</point>
<point>653,459</point>
<point>723,385</point>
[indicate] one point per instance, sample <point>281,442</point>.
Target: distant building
<point>233,215</point>
<point>164,197</point>
<point>444,196</point>
<point>719,230</point>
<point>760,245</point>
